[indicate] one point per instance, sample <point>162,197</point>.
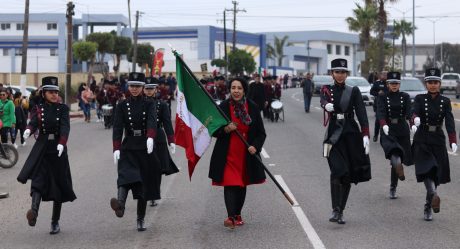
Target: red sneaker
<point>229,222</point>
<point>239,221</point>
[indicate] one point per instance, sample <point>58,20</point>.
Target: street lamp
<point>308,56</point>
<point>434,38</point>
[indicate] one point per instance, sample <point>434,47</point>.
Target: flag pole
<point>289,199</point>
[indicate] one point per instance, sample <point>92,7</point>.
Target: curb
<point>455,105</point>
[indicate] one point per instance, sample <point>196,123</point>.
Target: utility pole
<point>235,10</point>
<point>225,46</point>
<point>68,81</point>
<point>129,13</point>
<point>25,41</point>
<point>135,42</point>
<point>413,38</point>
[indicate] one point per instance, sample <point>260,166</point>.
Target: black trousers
<point>234,199</point>
<point>4,134</point>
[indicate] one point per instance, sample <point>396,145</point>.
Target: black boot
<point>344,192</point>
<point>118,205</point>
<point>396,163</point>
<point>432,196</point>
<point>55,218</point>
<point>335,197</point>
<point>153,203</point>
<point>427,214</point>
<point>141,206</point>
<point>393,184</point>
<point>32,214</point>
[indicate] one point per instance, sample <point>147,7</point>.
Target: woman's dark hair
<point>244,83</point>
<point>17,95</point>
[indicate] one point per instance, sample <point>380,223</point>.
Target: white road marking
<point>458,120</point>
<point>304,222</point>
<point>271,165</point>
<point>316,107</point>
<point>264,153</point>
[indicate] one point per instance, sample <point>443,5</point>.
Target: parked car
<point>321,80</point>
<point>449,81</point>
<point>364,88</point>
<point>27,92</point>
<point>413,86</point>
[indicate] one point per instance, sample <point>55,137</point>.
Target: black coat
<point>375,89</point>
<point>256,93</point>
<point>347,160</point>
<point>394,109</point>
<point>49,173</point>
<point>256,138</point>
<point>429,147</point>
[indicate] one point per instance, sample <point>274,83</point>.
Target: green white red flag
<point>197,116</point>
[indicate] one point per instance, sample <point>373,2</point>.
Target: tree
<point>240,61</point>
<point>220,63</point>
<point>449,59</point>
<point>105,42</point>
<point>364,21</point>
<point>403,28</point>
<point>381,27</point>
<point>85,51</point>
<point>375,53</point>
<point>277,51</point>
<point>121,46</point>
<point>145,53</point>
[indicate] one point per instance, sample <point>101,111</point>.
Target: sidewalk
<point>74,112</point>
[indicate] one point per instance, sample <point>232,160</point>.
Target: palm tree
<point>363,22</point>
<point>277,51</point>
<point>381,27</point>
<point>403,28</point>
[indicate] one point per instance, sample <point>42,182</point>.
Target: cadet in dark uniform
<point>431,110</point>
<point>348,162</point>
<point>47,164</point>
<point>221,88</point>
<point>393,109</point>
<point>165,133</point>
<point>256,93</point>
<point>137,119</point>
<point>378,88</point>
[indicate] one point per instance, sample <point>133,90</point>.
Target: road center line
<point>316,107</point>
<point>458,120</point>
<point>264,153</point>
<point>304,222</point>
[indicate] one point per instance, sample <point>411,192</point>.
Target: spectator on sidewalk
<point>7,115</point>
<point>21,118</point>
<point>87,96</point>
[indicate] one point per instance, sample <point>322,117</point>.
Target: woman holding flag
<point>233,165</point>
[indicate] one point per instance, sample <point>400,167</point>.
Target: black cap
<point>50,83</point>
<point>150,83</point>
<point>394,77</point>
<point>136,79</point>
<point>219,78</point>
<point>339,65</point>
<point>432,74</point>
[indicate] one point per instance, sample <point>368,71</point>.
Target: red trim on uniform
<point>116,145</point>
<point>152,133</point>
<point>382,122</point>
<point>171,139</point>
<point>365,131</point>
<point>63,140</point>
<point>452,138</point>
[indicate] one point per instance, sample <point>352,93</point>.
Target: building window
<point>347,50</point>
<point>337,49</point>
<point>6,52</point>
<point>18,52</point>
<point>193,45</point>
<point>53,52</point>
<point>329,49</point>
<point>5,26</point>
<point>19,26</point>
<point>52,26</point>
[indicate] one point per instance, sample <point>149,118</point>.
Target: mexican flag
<point>197,117</point>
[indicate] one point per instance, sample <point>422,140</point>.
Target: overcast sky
<point>263,15</point>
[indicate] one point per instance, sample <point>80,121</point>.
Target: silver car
<point>321,80</point>
<point>412,86</point>
<point>364,88</point>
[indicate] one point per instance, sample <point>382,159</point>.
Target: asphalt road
<point>191,213</point>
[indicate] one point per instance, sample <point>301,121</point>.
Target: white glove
<point>417,121</point>
<point>413,129</point>
<point>366,144</point>
<point>172,147</point>
<point>149,145</point>
<point>116,156</point>
<point>26,134</point>
<point>60,149</point>
<point>454,147</point>
<point>386,129</point>
<point>329,107</point>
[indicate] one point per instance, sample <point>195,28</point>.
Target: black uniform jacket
<point>393,109</point>
<point>256,93</point>
<point>138,120</point>
<point>333,94</point>
<point>256,138</point>
<point>53,123</point>
<point>432,113</point>
<point>376,88</point>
